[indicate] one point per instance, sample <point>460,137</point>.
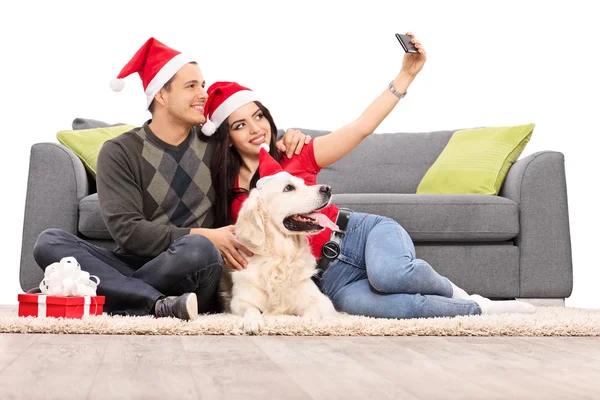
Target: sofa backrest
<point>384,163</point>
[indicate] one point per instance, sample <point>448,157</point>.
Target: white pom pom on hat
<point>223,99</point>
<point>209,128</point>
<point>117,84</point>
<point>264,146</point>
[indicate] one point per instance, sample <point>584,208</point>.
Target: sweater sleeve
<point>121,205</point>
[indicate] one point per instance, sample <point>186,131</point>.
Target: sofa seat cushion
<point>426,217</point>
<point>91,224</point>
<point>444,218</point>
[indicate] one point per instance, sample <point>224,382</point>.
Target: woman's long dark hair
<point>225,167</point>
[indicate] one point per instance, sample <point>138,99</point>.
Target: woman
<point>377,273</point>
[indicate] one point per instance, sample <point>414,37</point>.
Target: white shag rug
<point>547,321</point>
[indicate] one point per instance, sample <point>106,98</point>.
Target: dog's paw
<point>252,324</point>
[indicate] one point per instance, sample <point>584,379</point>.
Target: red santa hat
<point>268,168</point>
<point>156,63</point>
<point>223,99</point>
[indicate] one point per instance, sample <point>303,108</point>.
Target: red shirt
<point>302,166</point>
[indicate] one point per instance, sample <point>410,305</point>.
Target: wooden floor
<point>34,366</point>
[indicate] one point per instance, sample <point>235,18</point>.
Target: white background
<point>315,64</point>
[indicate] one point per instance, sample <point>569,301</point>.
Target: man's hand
<point>292,142</point>
<point>224,239</point>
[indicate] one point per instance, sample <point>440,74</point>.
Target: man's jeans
<point>378,275</point>
<point>131,284</point>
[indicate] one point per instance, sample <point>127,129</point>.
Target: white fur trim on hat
<point>261,182</point>
<point>232,103</point>
<point>166,72</point>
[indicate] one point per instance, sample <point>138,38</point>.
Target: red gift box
<point>39,305</point>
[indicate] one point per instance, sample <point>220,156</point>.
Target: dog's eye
<point>289,188</point>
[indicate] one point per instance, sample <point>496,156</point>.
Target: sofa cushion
<point>86,143</point>
<point>427,218</point>
<point>444,218</point>
<point>476,161</point>
<point>91,224</point>
<point>384,163</point>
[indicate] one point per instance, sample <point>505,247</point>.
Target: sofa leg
<point>544,302</point>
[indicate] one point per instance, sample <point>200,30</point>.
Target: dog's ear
<point>250,226</point>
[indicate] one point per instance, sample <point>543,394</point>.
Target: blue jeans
<point>132,284</point>
<point>377,274</point>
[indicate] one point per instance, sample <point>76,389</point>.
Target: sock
<point>489,307</point>
<point>458,293</point>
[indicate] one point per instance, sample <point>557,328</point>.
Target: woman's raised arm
<point>332,147</point>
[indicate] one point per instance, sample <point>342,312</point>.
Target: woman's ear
<point>250,226</point>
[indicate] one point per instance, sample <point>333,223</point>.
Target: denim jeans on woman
<point>378,275</point>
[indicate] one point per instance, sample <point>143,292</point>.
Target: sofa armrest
<point>57,181</point>
<point>537,183</point>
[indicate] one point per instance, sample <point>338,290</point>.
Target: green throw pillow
<point>86,143</point>
<point>476,161</point>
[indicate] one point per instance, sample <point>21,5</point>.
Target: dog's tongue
<point>324,221</point>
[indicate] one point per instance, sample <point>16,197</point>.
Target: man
<point>155,195</point>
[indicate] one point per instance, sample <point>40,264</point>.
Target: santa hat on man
<point>268,168</point>
<point>223,99</point>
<point>156,63</point>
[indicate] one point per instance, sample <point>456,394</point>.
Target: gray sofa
<point>515,245</point>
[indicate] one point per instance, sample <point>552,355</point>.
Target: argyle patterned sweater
<point>151,193</point>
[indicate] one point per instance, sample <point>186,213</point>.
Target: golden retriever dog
<point>274,223</point>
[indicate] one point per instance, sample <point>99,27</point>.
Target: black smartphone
<point>406,44</point>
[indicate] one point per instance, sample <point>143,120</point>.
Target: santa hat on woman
<point>156,64</point>
<point>223,99</point>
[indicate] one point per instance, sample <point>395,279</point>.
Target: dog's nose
<point>325,190</point>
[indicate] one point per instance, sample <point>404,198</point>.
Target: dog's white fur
<point>277,279</point>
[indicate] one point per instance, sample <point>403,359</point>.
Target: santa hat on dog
<point>268,168</point>
<point>223,99</point>
<point>156,63</point>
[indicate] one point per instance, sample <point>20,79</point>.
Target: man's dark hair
<point>167,87</point>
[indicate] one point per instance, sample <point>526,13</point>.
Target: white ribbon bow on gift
<point>65,278</point>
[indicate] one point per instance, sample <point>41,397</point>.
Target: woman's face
<point>248,129</point>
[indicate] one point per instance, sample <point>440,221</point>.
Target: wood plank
<point>135,367</point>
<point>413,363</point>
<point>58,367</point>
<point>510,367</point>
<point>12,345</point>
<point>234,367</point>
<point>325,373</point>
